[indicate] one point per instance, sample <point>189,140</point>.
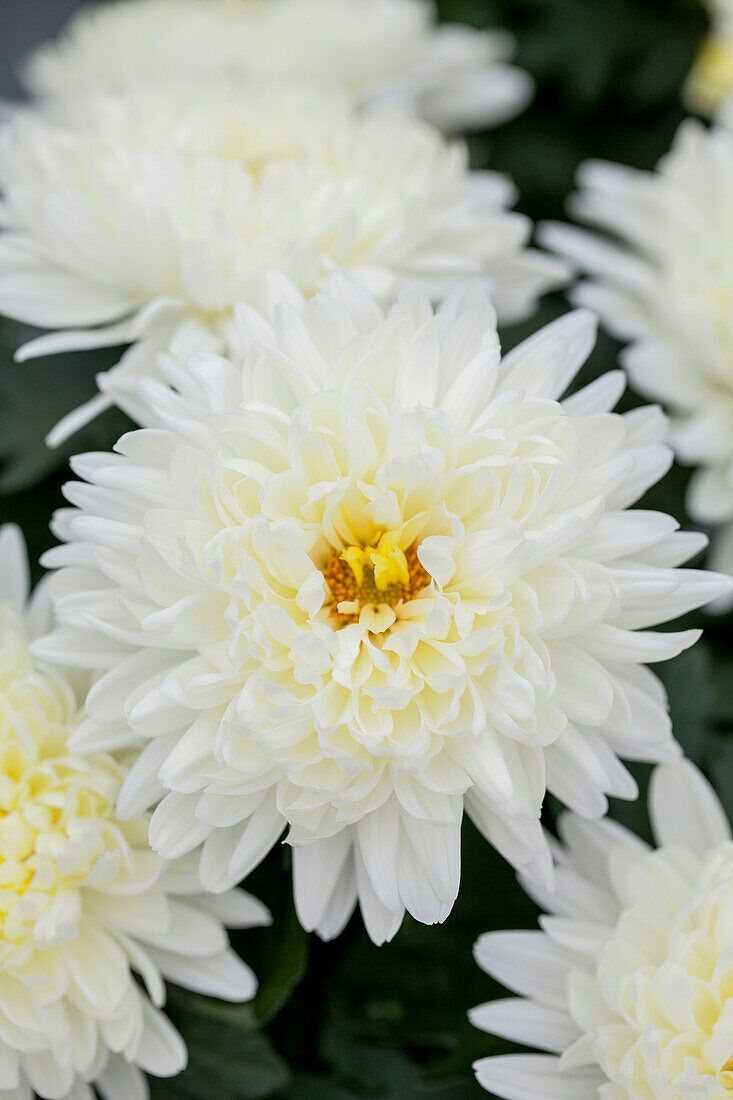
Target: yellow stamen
<point>384,575</point>
<point>386,560</point>
<point>389,562</point>
<point>357,558</point>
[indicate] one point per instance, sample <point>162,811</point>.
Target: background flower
<point>628,985</point>
<point>366,576</point>
<point>711,80</point>
<point>666,283</point>
<point>376,49</point>
<point>156,211</point>
<point>87,907</point>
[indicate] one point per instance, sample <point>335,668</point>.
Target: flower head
<point>393,50</point>
<point>629,985</point>
<point>364,578</point>
<point>152,214</point>
<point>665,282</point>
<point>85,905</point>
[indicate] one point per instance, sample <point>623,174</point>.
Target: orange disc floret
<point>356,585</point>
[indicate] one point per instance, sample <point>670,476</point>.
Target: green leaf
<point>281,964</point>
<point>721,688</point>
<point>307,1087</point>
<point>687,680</point>
<point>34,396</point>
<point>387,1073</point>
<point>721,774</point>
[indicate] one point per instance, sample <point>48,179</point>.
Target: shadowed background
<point>348,1020</point>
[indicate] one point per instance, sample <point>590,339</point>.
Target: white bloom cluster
<point>354,575</point>
<point>364,577</point>
<point>86,908</point>
<point>629,985</point>
<point>154,212</point>
<point>665,282</point>
<point>377,50</point>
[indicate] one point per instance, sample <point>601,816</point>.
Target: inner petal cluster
<point>55,810</point>
<point>667,973</point>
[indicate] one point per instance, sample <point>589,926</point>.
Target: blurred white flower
<point>665,282</point>
<point>152,214</point>
<point>393,50</point>
<point>629,985</point>
<point>365,578</point>
<point>86,908</point>
<point>710,82</point>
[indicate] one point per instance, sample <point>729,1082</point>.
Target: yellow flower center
<point>375,580</point>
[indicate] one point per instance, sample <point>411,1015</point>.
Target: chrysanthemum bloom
<point>665,283</point>
<point>455,76</point>
<point>91,919</point>
<point>629,985</point>
<point>711,81</point>
<point>159,208</point>
<point>369,577</point>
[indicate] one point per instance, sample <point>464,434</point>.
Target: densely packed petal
<point>664,281</point>
<point>91,920</point>
<point>628,988</point>
<point>394,50</point>
<point>151,214</point>
<point>366,576</point>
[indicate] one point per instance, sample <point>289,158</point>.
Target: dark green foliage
<point>348,1020</point>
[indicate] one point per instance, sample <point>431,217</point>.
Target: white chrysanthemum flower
<point>456,77</point>
<point>666,284</point>
<point>86,908</point>
<point>370,577</point>
<point>629,985</point>
<point>711,81</point>
<point>158,210</point>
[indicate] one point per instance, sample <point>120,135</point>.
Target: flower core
<point>368,582</point>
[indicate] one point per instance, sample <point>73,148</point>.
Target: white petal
<point>14,570</point>
<point>685,810</point>
<point>378,839</point>
<point>527,963</point>
<point>531,1076</point>
<point>162,1051</point>
<point>317,868</point>
<point>175,829</point>
<point>236,909</point>
<point>122,1081</point>
<point>526,1023</point>
<point>545,364</point>
<point>222,975</point>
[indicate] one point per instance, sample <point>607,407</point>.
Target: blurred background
<point>347,1020</point>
